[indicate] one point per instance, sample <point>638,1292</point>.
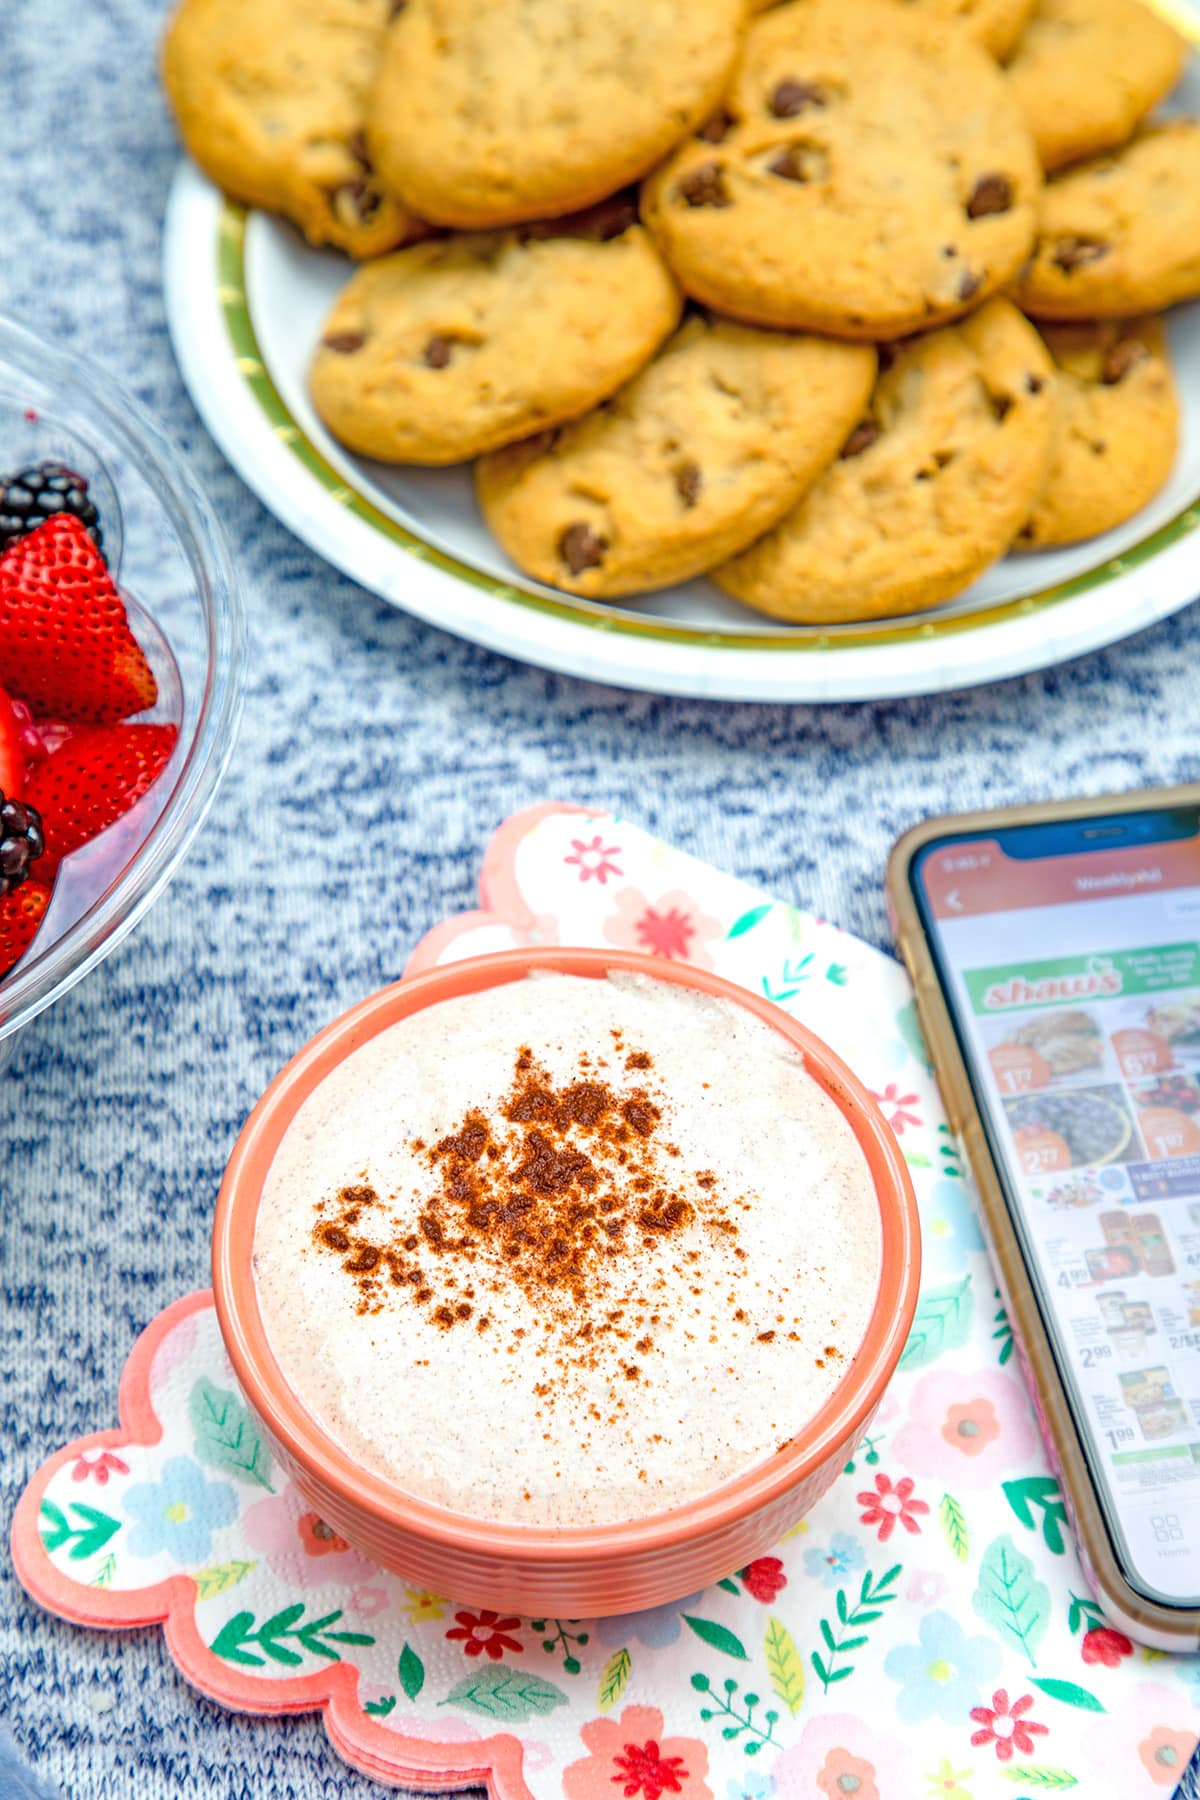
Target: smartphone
<point>1055,953</point>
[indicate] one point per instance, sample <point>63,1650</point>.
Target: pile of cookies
<point>798,355</point>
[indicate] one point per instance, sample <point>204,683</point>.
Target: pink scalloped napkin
<point>926,1632</point>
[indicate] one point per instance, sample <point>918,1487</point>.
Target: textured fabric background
<point>376,757</point>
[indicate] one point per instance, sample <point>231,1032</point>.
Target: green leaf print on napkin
<point>1070,1693</point>
<point>510,1694</point>
<point>235,1637</point>
<point>411,1671</point>
<point>90,1536</point>
<point>1010,1598</point>
<point>1043,1492</point>
<point>942,1322</point>
<point>909,1027</point>
<point>719,1636</point>
<point>749,920</point>
<point>954,1527</point>
<point>226,1437</point>
<point>785,1665</point>
<point>1050,1781</point>
<point>614,1679</point>
<point>218,1578</point>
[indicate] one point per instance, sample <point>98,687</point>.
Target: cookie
<point>1120,235</point>
<point>930,488</point>
<point>697,456</point>
<point>450,348</point>
<point>870,175</point>
<point>1116,429</point>
<point>270,97</point>
<point>994,24</point>
<point>488,115</point>
<point>1086,72</point>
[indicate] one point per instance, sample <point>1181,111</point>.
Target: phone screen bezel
<point>1036,841</point>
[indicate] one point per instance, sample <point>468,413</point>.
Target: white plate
<point>245,300</point>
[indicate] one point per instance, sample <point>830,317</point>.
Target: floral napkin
<point>926,1632</point>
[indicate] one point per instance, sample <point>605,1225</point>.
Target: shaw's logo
<point>1097,980</point>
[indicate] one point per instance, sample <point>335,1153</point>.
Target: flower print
<point>754,1785</point>
<point>657,1628</point>
<point>944,1672</point>
<point>1104,1645</point>
<point>486,1633</point>
<point>833,1564</point>
<point>630,1757</point>
<point>1165,1754</point>
<point>282,1529</point>
<point>420,1605</point>
<point>763,1578</point>
<point>1006,1726</point>
<point>98,1468</point>
<point>368,1602</point>
<point>593,859</point>
<point>926,1587</point>
<point>945,1782</point>
<point>177,1514</point>
<point>317,1538</point>
<point>672,926</point>
<point>949,1227</point>
<point>838,1757</point>
<point>967,1430</point>
<point>888,1503</point>
<point>897,1108</point>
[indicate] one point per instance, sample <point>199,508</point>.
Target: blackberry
<point>31,496</point>
<point>22,841</point>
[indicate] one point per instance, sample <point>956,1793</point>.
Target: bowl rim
<point>369,1495</point>
<point>114,419</point>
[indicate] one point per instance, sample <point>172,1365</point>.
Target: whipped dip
<point>567,1251</point>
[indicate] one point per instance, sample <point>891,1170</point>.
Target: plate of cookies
<point>825,350</point>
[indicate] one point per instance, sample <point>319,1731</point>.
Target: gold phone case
<point>1163,1627</point>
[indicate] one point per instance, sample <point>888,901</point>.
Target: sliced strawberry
<point>96,776</point>
<point>21,913</point>
<point>65,643</point>
<point>12,754</point>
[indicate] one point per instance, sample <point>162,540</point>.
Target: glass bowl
<point>168,554</point>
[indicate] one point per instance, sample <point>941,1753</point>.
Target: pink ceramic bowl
<point>585,1571</point>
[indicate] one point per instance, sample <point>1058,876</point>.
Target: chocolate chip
<point>356,202</point>
<point>1034,383</point>
<point>356,143</point>
<point>970,284</point>
<point>716,129</point>
<point>395,9</point>
<point>799,162</point>
<point>887,356</point>
<point>1002,405</point>
<point>861,438</point>
<point>1121,357</point>
<point>705,186</point>
<point>688,482</point>
<point>580,548</point>
<point>345,343</point>
<point>437,352</point>
<point>1073,252</point>
<point>791,97</point>
<point>991,194</point>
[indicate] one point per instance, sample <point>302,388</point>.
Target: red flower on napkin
<point>888,1503</point>
<point>485,1632</point>
<point>764,1578</point>
<point>1104,1645</point>
<point>1005,1726</point>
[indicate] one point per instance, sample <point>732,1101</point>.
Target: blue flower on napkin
<point>831,1566</point>
<point>945,1672</point>
<point>949,1227</point>
<point>178,1513</point>
<point>656,1628</point>
<point>753,1786</point>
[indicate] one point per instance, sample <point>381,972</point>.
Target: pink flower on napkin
<point>1006,1726</point>
<point>285,1530</point>
<point>593,859</point>
<point>888,1504</point>
<point>630,1756</point>
<point>1165,1754</point>
<point>98,1468</point>
<point>967,1430</point>
<point>673,926</point>
<point>839,1755</point>
<point>897,1108</point>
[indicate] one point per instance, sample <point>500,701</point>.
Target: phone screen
<point>1069,956</point>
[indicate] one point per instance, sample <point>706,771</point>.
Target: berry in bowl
<point>120,664</point>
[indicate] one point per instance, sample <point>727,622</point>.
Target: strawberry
<point>21,913</point>
<point>65,643</point>
<point>12,753</point>
<point>96,776</point>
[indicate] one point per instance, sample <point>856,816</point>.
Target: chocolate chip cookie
<point>1120,235</point>
<point>1116,428</point>
<point>271,99</point>
<point>697,456</point>
<point>870,175</point>
<point>489,114</point>
<point>1086,72</point>
<point>930,488</point>
<point>994,24</point>
<point>450,348</point>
